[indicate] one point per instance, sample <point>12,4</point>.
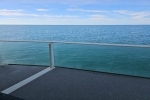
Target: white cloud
<point>121,11</point>
<point>19,12</point>
<point>77,21</point>
<point>60,16</point>
<point>83,10</point>
<point>110,17</point>
<point>99,18</point>
<point>139,15</point>
<point>133,14</point>
<point>42,9</point>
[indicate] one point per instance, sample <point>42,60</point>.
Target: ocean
<point>113,59</point>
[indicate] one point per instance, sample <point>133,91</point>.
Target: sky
<point>75,12</point>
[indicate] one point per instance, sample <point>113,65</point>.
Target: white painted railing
<point>81,43</point>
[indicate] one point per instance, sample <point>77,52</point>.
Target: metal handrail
<point>82,43</point>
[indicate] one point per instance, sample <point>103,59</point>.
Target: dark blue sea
<point>114,59</point>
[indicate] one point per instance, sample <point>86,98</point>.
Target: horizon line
<point>74,24</point>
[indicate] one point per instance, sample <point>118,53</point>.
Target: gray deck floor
<point>12,74</point>
<point>72,84</point>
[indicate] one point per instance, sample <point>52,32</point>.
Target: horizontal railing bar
<point>36,41</point>
<point>82,43</point>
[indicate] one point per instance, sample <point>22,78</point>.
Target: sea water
<point>121,60</point>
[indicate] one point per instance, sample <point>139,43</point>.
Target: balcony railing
<point>113,58</point>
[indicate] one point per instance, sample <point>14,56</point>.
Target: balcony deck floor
<point>12,74</point>
<point>72,84</point>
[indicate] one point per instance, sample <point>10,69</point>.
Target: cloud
<point>140,15</point>
<point>42,9</point>
<point>99,17</point>
<point>65,20</point>
<point>19,12</point>
<point>133,14</point>
<point>121,11</point>
<point>83,10</point>
<point>59,16</point>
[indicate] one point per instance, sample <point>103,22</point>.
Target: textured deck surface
<point>12,74</point>
<point>71,84</point>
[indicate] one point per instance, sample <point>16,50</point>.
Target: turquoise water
<point>121,60</point>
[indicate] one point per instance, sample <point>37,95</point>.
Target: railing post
<point>51,55</point>
<point>1,61</point>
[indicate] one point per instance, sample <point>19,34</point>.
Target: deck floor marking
<point>26,81</point>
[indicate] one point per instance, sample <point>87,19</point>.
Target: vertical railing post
<point>1,60</point>
<point>51,55</point>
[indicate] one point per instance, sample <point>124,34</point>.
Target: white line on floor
<point>26,81</point>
